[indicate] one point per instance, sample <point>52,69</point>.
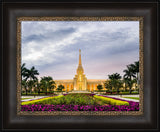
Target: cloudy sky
<point>53,47</point>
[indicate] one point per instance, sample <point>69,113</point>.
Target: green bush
<point>111,101</point>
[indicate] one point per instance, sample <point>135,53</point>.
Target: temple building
<point>80,81</point>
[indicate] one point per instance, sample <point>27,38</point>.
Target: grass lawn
<point>137,98</point>
<point>75,99</point>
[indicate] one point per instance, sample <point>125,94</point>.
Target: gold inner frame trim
<point>98,113</point>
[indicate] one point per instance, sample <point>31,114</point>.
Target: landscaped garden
<point>79,102</point>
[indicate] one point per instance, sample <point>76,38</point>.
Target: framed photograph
<point>80,66</point>
<point>100,38</point>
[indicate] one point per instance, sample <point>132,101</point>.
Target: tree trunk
<point>38,92</point>
<point>118,91</point>
<point>26,91</point>
<point>130,90</point>
<point>125,87</point>
<point>137,82</point>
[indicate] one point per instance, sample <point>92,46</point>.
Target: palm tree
<point>125,81</point>
<point>23,71</point>
<point>31,75</point>
<point>32,72</point>
<point>24,85</point>
<point>30,85</point>
<point>43,85</point>
<point>129,74</point>
<point>108,85</point>
<point>47,83</point>
<point>135,67</point>
<point>114,76</point>
<point>37,86</point>
<point>24,77</point>
<point>52,85</point>
<point>119,85</point>
<point>115,81</point>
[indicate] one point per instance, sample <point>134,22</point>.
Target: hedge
<point>40,100</point>
<point>111,101</point>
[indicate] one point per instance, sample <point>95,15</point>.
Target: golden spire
<point>80,63</point>
<point>80,68</point>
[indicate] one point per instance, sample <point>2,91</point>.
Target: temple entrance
<point>80,87</point>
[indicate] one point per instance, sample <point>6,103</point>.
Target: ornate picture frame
<point>147,119</point>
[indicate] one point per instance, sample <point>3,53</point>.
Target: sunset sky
<point>53,47</point>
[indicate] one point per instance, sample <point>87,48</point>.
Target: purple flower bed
<point>132,107</point>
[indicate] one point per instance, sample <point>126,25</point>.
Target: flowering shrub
<point>111,101</point>
<point>79,108</point>
<point>130,102</point>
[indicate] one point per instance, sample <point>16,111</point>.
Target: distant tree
<point>51,85</point>
<point>30,85</point>
<point>129,76</point>
<point>60,88</point>
<point>43,85</point>
<point>108,85</point>
<point>37,86</point>
<point>115,81</point>
<point>31,73</point>
<point>119,85</point>
<point>125,81</point>
<point>24,71</point>
<point>28,74</point>
<point>135,68</point>
<point>47,83</point>
<point>24,77</point>
<point>99,87</point>
<point>24,85</point>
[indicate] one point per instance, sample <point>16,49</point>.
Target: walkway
<point>28,98</point>
<point>119,97</point>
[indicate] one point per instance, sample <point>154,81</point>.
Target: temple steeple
<point>80,63</point>
<point>80,68</point>
<point>80,80</point>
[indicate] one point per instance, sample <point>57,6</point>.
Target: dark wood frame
<point>149,120</point>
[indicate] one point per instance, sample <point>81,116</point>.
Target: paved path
<point>32,98</point>
<point>137,95</point>
<point>115,96</point>
<point>119,97</point>
<point>124,98</point>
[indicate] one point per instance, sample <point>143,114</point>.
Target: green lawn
<point>137,98</point>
